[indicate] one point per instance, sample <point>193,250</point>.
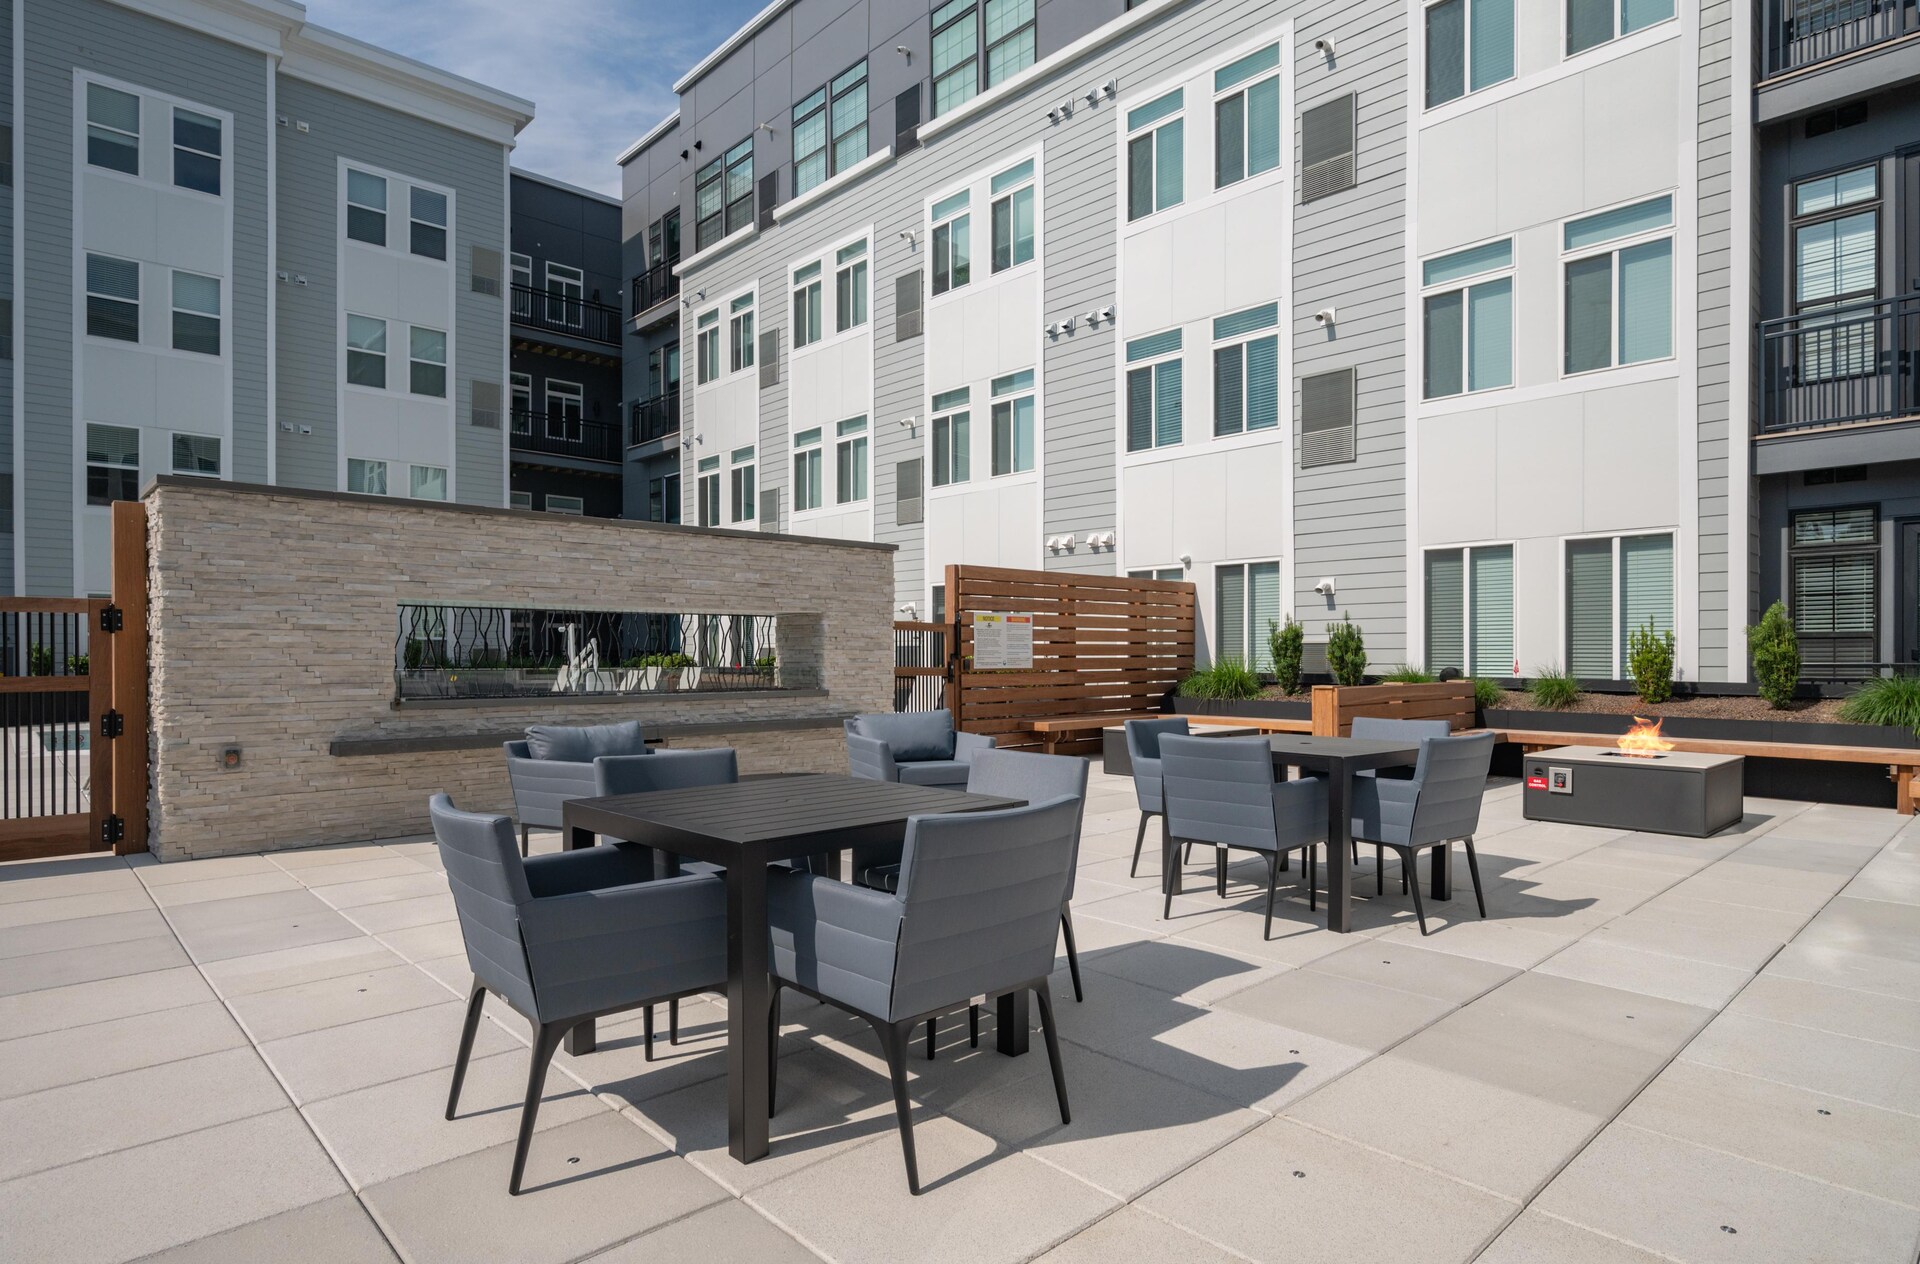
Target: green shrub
<point>1346,652</point>
<point>1650,659</point>
<point>665,662</point>
<point>1486,693</point>
<point>39,661</point>
<point>77,664</point>
<point>1552,689</point>
<point>1885,700</point>
<point>767,661</point>
<point>1227,679</point>
<point>1407,674</point>
<point>1775,650</point>
<point>1286,642</point>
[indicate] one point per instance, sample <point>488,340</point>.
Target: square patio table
<point>745,826</point>
<point>1339,758</point>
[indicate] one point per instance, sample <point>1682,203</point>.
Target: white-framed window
<point>952,250</point>
<point>196,313</point>
<point>1469,46</point>
<point>566,286</point>
<point>196,454</point>
<point>1011,411</point>
<point>1618,267</point>
<point>366,207</point>
<point>368,477</point>
<point>1469,610</point>
<point>196,151</point>
<point>830,129</point>
<point>1012,216</point>
<point>1591,23</point>
<point>1153,391</point>
<point>1246,371</point>
<point>571,506</point>
<point>428,223</point>
<point>1246,599</point>
<point>564,413</point>
<point>113,129</point>
<point>1156,154</point>
<point>522,284</point>
<point>850,286</point>
<point>427,482</point>
<point>1246,117</point>
<point>519,500</point>
<point>113,463</point>
<point>807,459</point>
<point>113,298</point>
<point>807,326</point>
<point>850,461</point>
<point>1466,320</point>
<point>520,385</point>
<point>366,351</point>
<point>741,477</point>
<point>427,361</point>
<point>1836,267</point>
<point>707,492</point>
<point>1172,573</point>
<point>1615,584</point>
<point>740,333</point>
<point>952,433</point>
<point>956,54</point>
<point>706,347</point>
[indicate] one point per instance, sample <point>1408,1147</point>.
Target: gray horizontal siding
<point>1717,327</point>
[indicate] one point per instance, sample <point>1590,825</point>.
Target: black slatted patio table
<point>1339,758</point>
<point>744,827</point>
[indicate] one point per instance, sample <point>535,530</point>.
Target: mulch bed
<point>1700,707</point>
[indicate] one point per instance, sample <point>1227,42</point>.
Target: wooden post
<point>129,677</point>
<point>1902,788</point>
<point>1326,711</point>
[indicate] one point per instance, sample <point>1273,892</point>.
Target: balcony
<point>1837,386</point>
<point>565,434</point>
<point>650,419</point>
<point>1820,53</point>
<point>566,316</point>
<point>655,289</point>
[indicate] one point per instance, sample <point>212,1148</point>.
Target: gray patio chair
<point>571,936</point>
<point>975,915</point>
<point>1143,751</point>
<point>1380,728</point>
<point>1221,791</point>
<point>1438,805</point>
<point>554,763</point>
<point>919,748</point>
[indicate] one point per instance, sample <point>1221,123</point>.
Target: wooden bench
<point>1901,764</point>
<point>1262,723</point>
<point>1057,731</point>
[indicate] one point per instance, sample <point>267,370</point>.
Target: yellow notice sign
<point>1002,640</point>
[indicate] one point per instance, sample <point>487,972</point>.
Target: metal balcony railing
<point>566,434</point>
<point>656,418</point>
<point>1838,365</point>
<point>655,286</point>
<point>1801,33</point>
<point>562,314</point>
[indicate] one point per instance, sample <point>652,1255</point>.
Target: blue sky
<point>600,72</point>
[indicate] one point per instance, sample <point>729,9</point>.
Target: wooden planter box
<point>1335,707</point>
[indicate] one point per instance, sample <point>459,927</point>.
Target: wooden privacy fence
<point>1105,649</point>
<point>1335,707</point>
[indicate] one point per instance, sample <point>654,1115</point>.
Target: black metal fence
<point>507,652</point>
<point>566,434</point>
<point>1839,365</point>
<point>564,314</point>
<point>1805,32</point>
<point>656,418</point>
<point>45,739</point>
<point>655,286</point>
<point>919,666</point>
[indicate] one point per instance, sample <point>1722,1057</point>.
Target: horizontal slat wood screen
<point>1336,706</point>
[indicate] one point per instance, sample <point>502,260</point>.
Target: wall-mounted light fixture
<point>1326,316</point>
<point>1059,327</point>
<point>1324,47</point>
<point>1106,90</point>
<point>905,52</point>
<point>1061,112</point>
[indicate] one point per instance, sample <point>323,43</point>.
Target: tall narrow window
<point>522,266</point>
<point>850,287</point>
<point>113,463</point>
<point>1836,268</point>
<point>1591,23</point>
<point>952,251</point>
<point>1246,600</point>
<point>1833,564</point>
<point>1246,371</point>
<point>850,461</point>
<point>706,348</point>
<point>427,482</point>
<point>1156,149</point>
<point>366,352</point>
<point>1469,47</point>
<point>1619,286</point>
<point>369,478</point>
<point>113,129</point>
<point>740,333</point>
<point>741,483</point>
<point>366,207</point>
<point>565,418</point>
<point>196,454</point>
<point>710,204</point>
<point>952,438</point>
<point>707,492</point>
<point>739,161</point>
<point>1009,38</point>
<point>807,327</point>
<point>1246,117</point>
<point>1013,428</point>
<point>113,298</point>
<point>196,151</point>
<point>566,287</point>
<point>1446,611</point>
<point>1589,586</point>
<point>521,388</point>
<point>956,54</point>
<point>1490,610</point>
<point>1012,214</point>
<point>849,117</point>
<point>810,141</point>
<point>428,223</point>
<point>1646,585</point>
<point>1153,391</point>
<point>1467,321</point>
<point>196,313</point>
<point>806,470</point>
<point>427,361</point>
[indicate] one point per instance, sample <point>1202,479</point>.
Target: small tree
<point>1346,652</point>
<point>1286,642</point>
<point>1650,658</point>
<point>39,661</point>
<point>1775,650</point>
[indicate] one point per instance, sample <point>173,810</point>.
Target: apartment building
<point>240,246</point>
<point>565,441</point>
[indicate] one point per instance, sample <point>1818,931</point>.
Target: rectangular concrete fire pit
<point>1665,792</point>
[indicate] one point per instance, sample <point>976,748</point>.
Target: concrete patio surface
<point>1654,1048</point>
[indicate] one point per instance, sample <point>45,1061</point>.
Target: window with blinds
<point>1469,46</point>
<point>1590,609</point>
<point>1836,264</point>
<point>1246,600</point>
<point>1833,573</point>
<point>1646,584</point>
<point>1618,291</point>
<point>1491,610</point>
<point>1446,610</point>
<point>1246,371</point>
<point>1154,412</point>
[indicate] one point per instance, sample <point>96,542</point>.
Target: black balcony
<point>1801,33</point>
<point>656,418</point>
<point>1839,366</point>
<point>564,434</point>
<point>560,314</point>
<point>653,287</point>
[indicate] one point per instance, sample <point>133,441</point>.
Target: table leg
<point>1442,863</point>
<point>584,1037</point>
<point>1339,851</point>
<point>748,997</point>
<point>1011,1023</point>
<point>578,838</point>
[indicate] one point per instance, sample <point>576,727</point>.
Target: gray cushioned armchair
<point>976,914</point>
<point>554,763</point>
<point>568,937</point>
<point>1381,728</point>
<point>920,748</point>
<point>1143,752</point>
<point>1438,805</point>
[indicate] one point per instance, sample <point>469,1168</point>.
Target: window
<point>366,208</point>
<point>1467,325</point>
<point>1012,216</point>
<point>807,329</point>
<point>572,506</point>
<point>740,334</point>
<point>1174,573</point>
<point>566,286</point>
<point>663,498</point>
<point>850,287</point>
<point>113,464</point>
<point>113,298</point>
<point>1246,599</point>
<point>113,129</point>
<point>196,151</point>
<point>1836,265</point>
<point>564,419</point>
<point>952,438</point>
<point>1246,371</point>
<point>806,470</point>
<point>1469,47</point>
<point>370,477</point>
<point>1153,391</point>
<point>1619,301</point>
<point>663,239</point>
<point>1833,564</point>
<point>520,385</point>
<point>366,352</point>
<point>741,476</point>
<point>427,362</point>
<point>1602,612</point>
<point>1591,23</point>
<point>196,313</point>
<point>1246,119</point>
<point>522,266</point>
<point>1012,415</point>
<point>810,158</point>
<point>519,500</point>
<point>427,482</point>
<point>830,129</point>
<point>196,454</point>
<point>707,492</point>
<point>1009,26</point>
<point>956,55</point>
<point>1470,610</point>
<point>850,461</point>
<point>1156,148</point>
<point>723,195</point>
<point>706,347</point>
<point>952,254</point>
<point>429,223</point>
<point>939,603</point>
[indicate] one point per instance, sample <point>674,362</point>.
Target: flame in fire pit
<point>1643,740</point>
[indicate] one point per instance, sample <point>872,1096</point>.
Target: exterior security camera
<point>1325,588</point>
